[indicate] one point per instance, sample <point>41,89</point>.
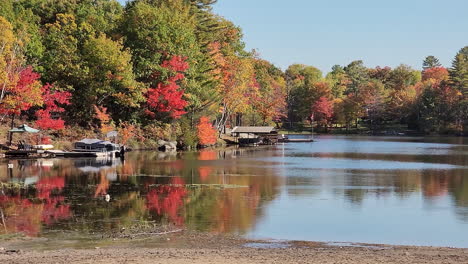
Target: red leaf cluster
<point>52,102</point>
<point>23,94</point>
<point>323,109</point>
<point>167,97</point>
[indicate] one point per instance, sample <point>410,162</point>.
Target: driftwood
<point>157,234</point>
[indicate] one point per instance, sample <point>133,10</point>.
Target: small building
<point>255,135</point>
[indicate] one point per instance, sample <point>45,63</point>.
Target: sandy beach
<point>189,247</point>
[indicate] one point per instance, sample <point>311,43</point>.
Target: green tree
<point>62,60</point>
<point>357,74</point>
<point>459,80</point>
<point>459,72</point>
<point>431,62</point>
<point>157,30</point>
<point>301,83</point>
<point>111,82</point>
<point>338,81</point>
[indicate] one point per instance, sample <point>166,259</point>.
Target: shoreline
<point>202,247</point>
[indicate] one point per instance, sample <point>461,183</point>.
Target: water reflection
<point>336,189</point>
<point>207,190</point>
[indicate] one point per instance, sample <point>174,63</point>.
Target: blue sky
<point>322,33</point>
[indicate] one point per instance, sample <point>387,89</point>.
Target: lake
<point>386,190</point>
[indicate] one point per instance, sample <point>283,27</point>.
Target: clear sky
<point>327,32</point>
<point>322,33</point>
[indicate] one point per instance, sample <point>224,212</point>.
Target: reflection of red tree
<point>45,186</point>
<point>167,200</point>
<point>21,215</point>
<point>24,216</point>
<point>53,210</point>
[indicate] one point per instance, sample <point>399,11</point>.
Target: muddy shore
<point>192,247</point>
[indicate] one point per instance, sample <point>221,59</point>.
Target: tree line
<point>173,69</point>
<point>431,100</point>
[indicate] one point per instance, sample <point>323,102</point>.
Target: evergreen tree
<point>459,72</point>
<point>431,62</point>
<point>358,75</point>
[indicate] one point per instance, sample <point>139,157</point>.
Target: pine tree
<point>431,62</point>
<point>459,72</point>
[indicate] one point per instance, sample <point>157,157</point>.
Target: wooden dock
<point>34,153</point>
<point>57,153</point>
<point>82,154</point>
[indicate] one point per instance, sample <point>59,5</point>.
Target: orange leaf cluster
<point>206,132</point>
<point>104,119</point>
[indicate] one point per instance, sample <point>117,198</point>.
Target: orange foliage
<point>206,132</point>
<point>437,74</point>
<point>104,119</point>
<point>126,132</point>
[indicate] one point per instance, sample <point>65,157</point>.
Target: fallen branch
<point>158,234</point>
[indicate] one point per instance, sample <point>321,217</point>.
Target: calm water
<point>390,190</point>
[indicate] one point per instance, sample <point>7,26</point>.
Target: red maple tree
<point>52,102</point>
<point>22,94</point>
<point>322,110</point>
<point>167,97</point>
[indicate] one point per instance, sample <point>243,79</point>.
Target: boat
<point>94,148</point>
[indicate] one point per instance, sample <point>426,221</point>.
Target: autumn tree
<point>436,74</point>
<point>303,88</point>
<point>167,97</point>
<point>10,58</point>
<point>322,111</point>
<point>269,98</point>
<point>126,132</point>
<point>105,121</point>
<point>110,80</point>
<point>22,94</point>
<point>48,117</point>
<point>206,132</point>
<point>373,97</point>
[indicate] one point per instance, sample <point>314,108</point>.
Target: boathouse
<point>255,135</point>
